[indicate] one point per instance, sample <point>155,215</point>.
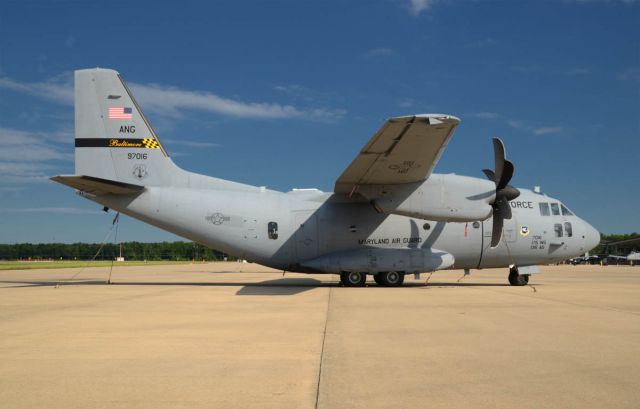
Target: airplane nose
<point>591,237</point>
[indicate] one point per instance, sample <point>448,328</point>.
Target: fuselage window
<point>558,229</point>
<point>272,229</point>
<point>565,211</point>
<point>568,230</point>
<point>544,209</point>
<point>555,209</point>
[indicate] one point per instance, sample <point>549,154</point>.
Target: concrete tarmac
<point>231,335</point>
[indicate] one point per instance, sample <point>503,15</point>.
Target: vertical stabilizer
<point>113,139</point>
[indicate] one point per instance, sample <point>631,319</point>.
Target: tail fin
<point>114,140</point>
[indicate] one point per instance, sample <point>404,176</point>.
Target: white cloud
<point>290,88</point>
<point>545,130</point>
<point>541,130</point>
<point>191,143</point>
<point>418,6</point>
<point>170,100</point>
<point>380,52</point>
<point>28,157</point>
<point>406,103</point>
<point>30,146</point>
<point>515,124</point>
<point>630,74</point>
<point>58,89</point>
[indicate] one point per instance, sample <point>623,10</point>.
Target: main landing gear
<point>389,278</point>
<point>353,278</point>
<point>516,278</point>
<point>359,279</point>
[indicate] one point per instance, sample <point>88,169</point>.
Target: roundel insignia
<point>524,231</point>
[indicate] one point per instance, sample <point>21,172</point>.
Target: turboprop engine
<point>450,198</point>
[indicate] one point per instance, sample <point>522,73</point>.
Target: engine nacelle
<point>449,198</point>
<point>375,260</point>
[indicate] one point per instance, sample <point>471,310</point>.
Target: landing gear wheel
<point>517,279</point>
<point>390,278</point>
<point>353,278</point>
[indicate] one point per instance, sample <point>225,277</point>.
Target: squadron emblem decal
<point>217,218</point>
<point>404,167</point>
<point>140,171</point>
<point>524,231</point>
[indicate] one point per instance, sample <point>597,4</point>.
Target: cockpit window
<point>565,211</point>
<point>555,209</point>
<point>544,209</point>
<point>558,229</point>
<point>568,229</point>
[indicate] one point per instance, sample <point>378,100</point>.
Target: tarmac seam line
<point>324,337</point>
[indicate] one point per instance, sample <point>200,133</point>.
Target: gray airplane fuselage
<point>283,230</point>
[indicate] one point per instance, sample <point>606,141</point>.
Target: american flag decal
<point>120,113</point>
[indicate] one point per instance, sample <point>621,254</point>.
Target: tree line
<point>132,250</point>
<point>176,251</point>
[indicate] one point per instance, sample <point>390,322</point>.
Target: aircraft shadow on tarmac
<point>280,286</point>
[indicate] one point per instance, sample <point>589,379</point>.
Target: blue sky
<point>284,94</point>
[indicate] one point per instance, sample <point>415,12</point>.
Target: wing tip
<point>428,117</point>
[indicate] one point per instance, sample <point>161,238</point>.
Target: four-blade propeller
<point>504,192</point>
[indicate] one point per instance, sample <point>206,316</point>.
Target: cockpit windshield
<point>565,211</point>
<point>555,209</point>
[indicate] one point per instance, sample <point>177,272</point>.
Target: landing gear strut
<point>389,278</point>
<point>517,279</point>
<point>353,278</point>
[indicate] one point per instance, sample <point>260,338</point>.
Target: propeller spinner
<point>504,192</point>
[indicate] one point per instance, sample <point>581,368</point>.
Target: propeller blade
<point>505,177</point>
<point>510,192</point>
<point>499,158</point>
<point>496,233</point>
<point>490,175</point>
<point>505,208</point>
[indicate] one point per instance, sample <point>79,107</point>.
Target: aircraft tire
<point>518,279</point>
<point>391,278</point>
<point>353,278</point>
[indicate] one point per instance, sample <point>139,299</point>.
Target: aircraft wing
<point>97,186</point>
<point>404,150</point>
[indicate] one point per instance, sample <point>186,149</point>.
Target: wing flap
<point>404,150</point>
<point>97,186</point>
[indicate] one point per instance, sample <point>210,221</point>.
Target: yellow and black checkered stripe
<point>146,143</point>
<point>151,143</point>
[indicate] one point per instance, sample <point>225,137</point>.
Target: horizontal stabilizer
<point>97,186</point>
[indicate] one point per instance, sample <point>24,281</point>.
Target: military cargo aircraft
<point>389,214</point>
